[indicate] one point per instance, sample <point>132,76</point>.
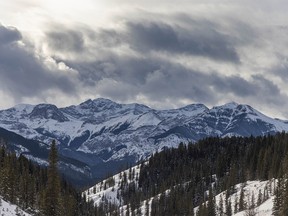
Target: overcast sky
<point>163,53</point>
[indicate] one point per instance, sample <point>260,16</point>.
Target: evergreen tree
<point>250,212</point>
<point>251,207</point>
<point>202,211</point>
<point>191,210</point>
<point>17,211</point>
<point>260,198</point>
<point>211,204</point>
<point>199,211</point>
<point>220,209</point>
<point>241,200</point>
<point>147,208</point>
<point>228,207</point>
<point>52,202</point>
<point>31,186</point>
<point>236,205</point>
<point>284,190</point>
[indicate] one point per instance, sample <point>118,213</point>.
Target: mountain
<point>222,176</point>
<point>108,189</point>
<point>106,136</point>
<point>74,170</point>
<point>26,186</point>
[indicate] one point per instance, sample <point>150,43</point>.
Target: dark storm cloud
<point>176,82</point>
<point>9,35</point>
<point>160,80</point>
<point>157,79</point>
<point>125,69</point>
<point>152,77</point>
<point>107,38</point>
<point>200,40</point>
<point>256,87</point>
<point>233,84</point>
<point>22,74</point>
<point>149,59</point>
<point>234,31</point>
<point>281,70</point>
<point>268,92</point>
<point>66,40</point>
<point>124,76</point>
<point>166,81</point>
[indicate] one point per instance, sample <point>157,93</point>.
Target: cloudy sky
<point>163,53</point>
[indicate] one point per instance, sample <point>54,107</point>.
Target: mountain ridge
<point>105,134</point>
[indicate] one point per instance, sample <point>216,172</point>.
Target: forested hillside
<point>206,178</point>
<point>100,136</point>
<point>177,180</point>
<point>38,190</point>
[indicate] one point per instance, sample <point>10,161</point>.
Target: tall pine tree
<point>52,203</point>
<point>211,204</point>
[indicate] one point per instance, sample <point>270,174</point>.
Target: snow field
<point>8,209</point>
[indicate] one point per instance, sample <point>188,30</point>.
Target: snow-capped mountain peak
<point>48,111</point>
<point>101,131</point>
<point>230,105</point>
<point>99,104</point>
<point>26,108</point>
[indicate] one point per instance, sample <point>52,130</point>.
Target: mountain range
<point>100,136</point>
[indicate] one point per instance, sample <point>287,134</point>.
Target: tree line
<point>39,190</point>
<point>191,175</point>
<point>179,179</point>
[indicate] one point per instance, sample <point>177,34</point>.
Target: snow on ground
<point>265,209</point>
<point>262,189</point>
<point>250,188</point>
<point>37,160</point>
<point>108,188</point>
<point>8,209</point>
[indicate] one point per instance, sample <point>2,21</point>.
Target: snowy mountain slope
<point>106,135</point>
<point>110,187</point>
<point>73,169</point>
<point>233,119</point>
<point>110,190</point>
<point>250,188</point>
<point>8,209</point>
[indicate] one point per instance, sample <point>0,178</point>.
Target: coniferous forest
<point>39,190</point>
<point>191,175</point>
<point>221,162</point>
<point>181,179</point>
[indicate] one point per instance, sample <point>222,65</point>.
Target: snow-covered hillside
<point>105,135</point>
<point>110,187</point>
<point>262,192</point>
<point>7,209</point>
